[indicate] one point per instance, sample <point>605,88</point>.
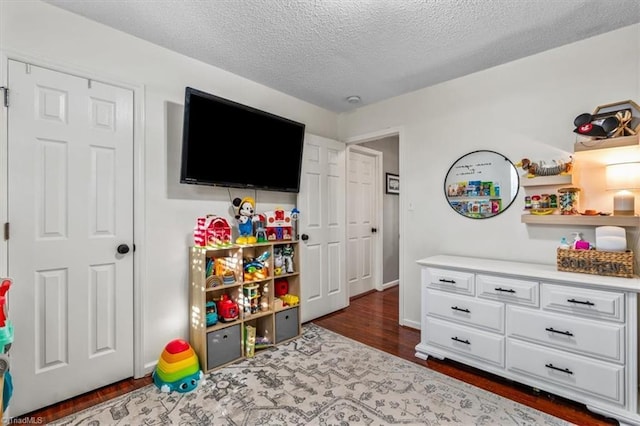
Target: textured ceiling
<point>323,51</point>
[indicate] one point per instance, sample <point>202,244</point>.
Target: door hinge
<point>5,95</point>
<point>6,231</point>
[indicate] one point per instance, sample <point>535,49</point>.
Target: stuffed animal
<point>245,216</point>
<point>541,169</point>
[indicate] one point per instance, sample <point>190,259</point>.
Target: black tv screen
<point>228,144</point>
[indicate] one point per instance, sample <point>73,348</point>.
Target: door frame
<point>139,230</point>
<point>368,137</point>
<point>377,257</point>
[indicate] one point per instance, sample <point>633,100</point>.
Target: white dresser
<point>574,335</point>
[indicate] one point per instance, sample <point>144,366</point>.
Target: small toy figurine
<point>178,368</point>
<point>212,313</point>
<point>287,256</point>
<point>246,208</point>
<point>278,261</point>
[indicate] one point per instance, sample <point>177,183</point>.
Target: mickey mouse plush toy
<point>245,210</point>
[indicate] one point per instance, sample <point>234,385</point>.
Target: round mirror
<point>481,184</point>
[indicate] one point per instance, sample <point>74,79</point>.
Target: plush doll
<point>244,216</point>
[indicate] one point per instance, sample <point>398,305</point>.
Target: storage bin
<point>597,262</point>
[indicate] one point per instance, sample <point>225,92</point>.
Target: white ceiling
<point>323,51</point>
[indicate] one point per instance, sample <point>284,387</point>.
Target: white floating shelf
<point>558,219</point>
<point>590,145</point>
<point>546,180</point>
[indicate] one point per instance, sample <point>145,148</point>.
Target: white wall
<point>47,35</point>
<point>522,109</point>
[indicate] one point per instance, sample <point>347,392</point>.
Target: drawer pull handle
<point>442,280</point>
<point>581,302</point>
<point>566,333</point>
<point>455,308</point>
<point>553,367</point>
<point>466,342</point>
<point>505,290</point>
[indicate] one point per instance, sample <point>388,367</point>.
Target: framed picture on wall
<point>393,184</point>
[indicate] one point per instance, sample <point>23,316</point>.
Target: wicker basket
<point>611,263</point>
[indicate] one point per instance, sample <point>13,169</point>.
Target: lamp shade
<point>623,176</point>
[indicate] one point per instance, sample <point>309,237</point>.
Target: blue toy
<point>212,313</point>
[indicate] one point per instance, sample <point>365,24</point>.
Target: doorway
<point>385,219</point>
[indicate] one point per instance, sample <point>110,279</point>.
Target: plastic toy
<point>212,231</point>
<point>290,299</point>
<point>251,297</point>
<point>227,309</point>
<point>287,256</point>
<point>212,313</point>
<point>245,217</point>
<point>279,225</point>
<point>256,269</point>
<point>281,287</point>
<point>178,368</point>
<point>278,261</point>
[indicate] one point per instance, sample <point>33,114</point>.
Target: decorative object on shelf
<point>481,184</point>
<point>542,169</point>
<point>613,120</point>
<point>245,209</point>
<point>212,231</point>
<point>279,225</point>
<point>281,287</point>
<point>624,177</point>
<point>597,262</point>
<point>393,184</point>
<point>569,200</point>
<point>178,368</point>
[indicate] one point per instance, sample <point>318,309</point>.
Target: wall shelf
<point>557,219</point>
<point>590,145</point>
<point>526,182</point>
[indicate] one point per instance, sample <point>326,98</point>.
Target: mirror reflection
<point>481,184</point>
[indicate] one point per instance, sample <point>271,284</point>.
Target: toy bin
<point>287,325</point>
<point>223,346</point>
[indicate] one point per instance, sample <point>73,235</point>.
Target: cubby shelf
<point>224,342</point>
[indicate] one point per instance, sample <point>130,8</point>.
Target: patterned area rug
<point>321,378</point>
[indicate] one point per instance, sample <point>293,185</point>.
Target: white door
<point>363,223</point>
<point>70,205</point>
<point>322,228</point>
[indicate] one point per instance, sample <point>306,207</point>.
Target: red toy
<point>281,287</point>
<point>279,225</point>
<point>227,309</point>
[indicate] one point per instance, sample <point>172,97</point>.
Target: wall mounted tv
<point>228,144</point>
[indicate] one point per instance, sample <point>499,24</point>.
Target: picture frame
<point>393,184</point>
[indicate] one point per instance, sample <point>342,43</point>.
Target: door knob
<point>374,230</point>
<point>304,237</point>
<point>123,249</point>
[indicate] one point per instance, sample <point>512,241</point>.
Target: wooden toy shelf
<point>224,342</point>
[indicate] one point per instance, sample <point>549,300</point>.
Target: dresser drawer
<point>469,342</point>
<point>583,301</point>
<point>510,290</point>
<point>595,378</point>
<point>592,338</point>
<point>478,313</point>
<point>454,281</point>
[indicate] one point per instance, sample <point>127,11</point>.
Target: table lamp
<point>623,177</point>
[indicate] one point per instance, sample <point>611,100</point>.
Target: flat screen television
<point>228,144</point>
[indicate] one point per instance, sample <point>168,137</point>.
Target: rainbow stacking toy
<point>178,368</point>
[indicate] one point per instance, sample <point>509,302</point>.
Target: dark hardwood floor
<point>371,319</point>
